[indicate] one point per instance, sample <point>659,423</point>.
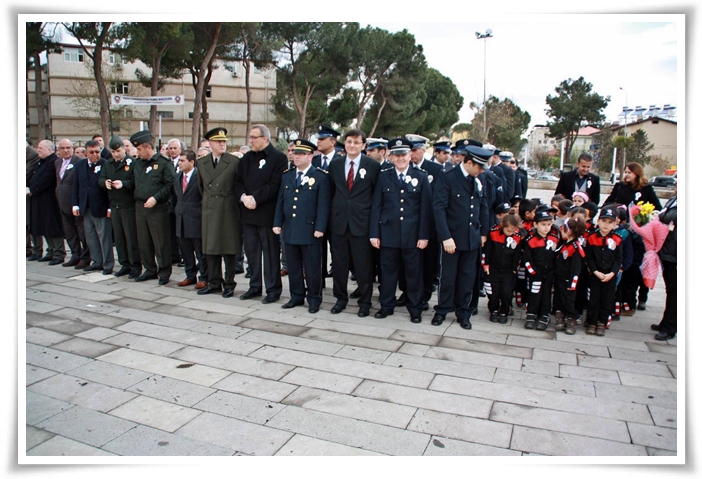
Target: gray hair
<point>49,144</point>
<point>264,131</point>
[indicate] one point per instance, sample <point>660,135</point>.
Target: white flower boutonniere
<point>415,182</point>
<point>478,185</point>
<point>305,179</point>
<point>589,183</point>
<point>408,179</point>
<point>148,169</point>
<point>431,178</point>
<point>69,166</point>
<point>97,169</point>
<point>362,172</point>
<point>261,164</point>
<point>611,244</point>
<point>550,245</point>
<point>128,161</point>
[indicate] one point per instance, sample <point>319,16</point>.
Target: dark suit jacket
<point>566,186</point>
<point>508,183</point>
<point>263,182</point>
<point>86,190</point>
<point>305,209</point>
<point>64,187</point>
<point>317,159</point>
<point>188,207</point>
<point>351,209</point>
<point>105,153</point>
<point>45,216</point>
<point>433,170</point>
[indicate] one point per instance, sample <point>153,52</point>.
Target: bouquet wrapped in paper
<point>644,221</point>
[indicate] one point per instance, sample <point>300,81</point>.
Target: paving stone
<point>471,357</point>
<point>489,348</point>
<point>455,331</point>
<point>654,436</point>
<point>158,414</point>
<point>565,347</point>
<point>417,338</point>
<point>273,327</point>
<point>93,277</point>
<point>140,295</point>
<point>398,322</point>
<point>292,342</point>
<point>143,343</point>
<point>442,446</point>
<point>53,359</point>
<point>62,446</point>
<point>276,316</point>
<point>590,425</point>
<point>346,366</point>
<point>94,287</point>
<point>206,317</point>
<point>322,380</point>
<point>462,428</point>
<point>363,330</point>
<point>664,417</point>
<point>198,374</point>
<point>172,300</point>
<point>71,302</point>
<point>223,330</point>
<point>76,293</point>
<point>358,353</point>
<point>235,435</point>
<point>539,367</point>
<point>350,432</point>
<point>661,347</point>
<point>425,399</point>
<point>85,347</point>
<point>631,394</point>
<point>413,349</point>
<point>589,374</point>
<point>559,401</point>
<point>46,273</point>
<point>95,319</point>
<point>308,446</point>
<point>156,318</point>
<point>624,365</point>
<point>45,337</point>
<point>553,443</point>
<point>35,374</point>
<point>172,390</point>
<point>607,342</point>
<point>440,366</point>
<point>213,304</point>
<point>673,371</point>
<point>378,412</point>
<point>352,339</point>
<point>109,374</point>
<point>51,323</point>
<point>555,357</point>
<point>147,441</point>
<point>255,387</point>
<point>134,304</point>
<point>233,362</point>
<point>238,406</point>
<point>40,407</point>
<point>35,436</point>
<point>81,392</point>
<point>40,306</point>
<point>540,381</point>
<point>97,334</point>
<point>86,426</point>
<point>632,355</point>
<point>652,451</point>
<point>652,382</point>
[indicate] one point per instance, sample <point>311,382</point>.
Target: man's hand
<point>116,184</point>
<point>449,246</point>
<point>421,244</point>
<point>375,242</point>
<point>607,277</point>
<point>483,239</point>
<point>150,203</point>
<point>76,211</point>
<point>486,268</point>
<point>277,230</point>
<point>108,184</point>
<point>318,234</point>
<point>249,201</point>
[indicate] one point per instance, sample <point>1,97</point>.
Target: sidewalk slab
<point>540,381</point>
<point>147,441</point>
<point>233,362</point>
<point>322,380</point>
<point>238,406</point>
<point>440,366</point>
<point>45,337</point>
<point>40,407</point>
<point>442,446</point>
<point>462,428</point>
<point>87,426</point>
<point>62,446</point>
<point>255,387</point>
<point>34,374</point>
<point>172,390</point>
<point>35,436</point>
<point>157,414</point>
<point>109,374</point>
<point>664,417</point>
<point>358,353</point>
<point>636,395</point>
<point>553,443</point>
<point>85,347</point>
<point>490,348</point>
<point>654,436</point>
<point>301,445</point>
<point>53,359</point>
<point>82,392</point>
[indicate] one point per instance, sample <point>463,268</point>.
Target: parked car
<point>547,177</point>
<point>532,173</point>
<point>663,181</point>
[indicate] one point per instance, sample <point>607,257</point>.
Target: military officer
<point>303,208</point>
<point>117,177</point>
<point>153,185</point>
<point>461,214</point>
<point>400,228</point>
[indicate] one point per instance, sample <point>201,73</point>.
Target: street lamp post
<point>626,113</point>
<point>484,37</point>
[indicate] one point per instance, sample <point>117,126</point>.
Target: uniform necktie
<point>402,179</point>
<point>185,182</point>
<point>324,162</point>
<point>214,162</point>
<point>349,178</point>
<point>299,179</point>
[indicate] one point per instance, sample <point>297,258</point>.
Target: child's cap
<point>591,207</point>
<point>542,215</point>
<point>581,194</point>
<point>547,208</point>
<point>502,208</point>
<point>608,212</point>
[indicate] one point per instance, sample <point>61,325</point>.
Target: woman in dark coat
<point>668,327</point>
<point>633,188</point>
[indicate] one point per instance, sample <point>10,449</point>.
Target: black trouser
<point>499,286</point>
<point>456,279</point>
<point>390,259</point>
<point>175,245</point>
<point>564,300</point>
<point>75,236</point>
<point>192,251</point>
<point>346,248</point>
<point>581,289</point>
<point>521,287</point>
<point>214,270</point>
<point>479,284</point>
<point>540,294</point>
<point>307,258</point>
<point>55,247</point>
<point>601,301</point>
<point>152,231</point>
<point>126,239</point>
<point>669,323</point>
<point>431,265</point>
<point>261,241</point>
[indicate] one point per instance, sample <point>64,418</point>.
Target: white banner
<point>147,100</point>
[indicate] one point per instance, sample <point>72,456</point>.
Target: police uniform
<point>153,178</point>
<point>400,217</point>
<point>461,214</point>
<point>303,208</point>
<point>122,210</point>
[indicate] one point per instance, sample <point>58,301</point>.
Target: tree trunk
<point>199,91</point>
<point>208,78</point>
<point>39,99</point>
<point>377,117</point>
<point>247,80</point>
<point>102,88</point>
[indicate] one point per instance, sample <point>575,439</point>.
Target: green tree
<point>462,129</point>
<point>622,143</point>
<point>40,38</point>
<point>640,149</point>
<point>602,153</point>
<point>574,106</point>
<point>208,35</point>
<point>442,104</point>
<point>506,123</point>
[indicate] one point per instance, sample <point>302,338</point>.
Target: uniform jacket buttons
<point>293,215</point>
<point>401,218</point>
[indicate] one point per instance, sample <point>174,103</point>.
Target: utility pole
<point>484,37</point>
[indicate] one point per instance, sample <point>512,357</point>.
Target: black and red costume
<point>569,265</point>
<point>501,254</point>
<point>603,254</point>
<point>538,258</point>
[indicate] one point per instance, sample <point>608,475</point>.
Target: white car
<point>547,177</point>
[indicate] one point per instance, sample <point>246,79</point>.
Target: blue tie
<point>299,179</point>
<point>402,180</point>
<point>324,165</point>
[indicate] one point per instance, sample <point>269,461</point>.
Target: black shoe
<point>180,263</point>
<point>329,274</point>
<point>384,313</point>
<point>656,327</point>
<point>481,293</point>
<point>292,304</point>
<point>542,323</point>
<point>135,273</point>
<point>251,294</point>
<point>145,277</point>
<point>313,309</point>
<point>502,319</point>
<point>363,311</point>
<point>270,299</point>
<point>353,277</point>
<point>228,293</point>
<point>338,307</point>
<point>355,294</point>
<point>438,319</point>
<point>641,306</point>
<point>210,289</point>
<point>123,270</point>
<point>33,257</point>
<point>248,274</point>
<point>416,318</point>
<point>45,259</point>
<point>107,271</point>
<point>465,324</point>
<point>494,317</point>
<point>93,267</point>
<point>424,305</point>
<point>474,311</point>
<point>401,301</point>
<point>54,262</point>
<point>163,281</point>
<point>530,322</point>
<point>239,270</point>
<point>664,336</point>
<point>71,262</point>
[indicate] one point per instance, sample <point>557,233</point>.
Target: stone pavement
<point>115,367</point>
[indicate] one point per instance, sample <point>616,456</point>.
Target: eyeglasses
<point>251,137</point>
<point>513,162</point>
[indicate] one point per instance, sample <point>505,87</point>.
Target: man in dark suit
<point>580,179</point>
<point>353,180</point>
<point>303,209</point>
<point>188,216</point>
<point>221,225</point>
<point>461,214</point>
<point>91,202</point>
<point>256,188</point>
<point>174,150</point>
<point>72,225</point>
<point>509,181</point>
<point>400,227</point>
<point>35,244</point>
<point>104,152</point>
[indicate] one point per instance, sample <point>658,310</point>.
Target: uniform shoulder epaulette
<point>322,170</point>
<point>424,172</point>
<point>288,169</point>
<point>387,169</point>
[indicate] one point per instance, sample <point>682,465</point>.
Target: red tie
<point>349,178</point>
<point>185,182</point>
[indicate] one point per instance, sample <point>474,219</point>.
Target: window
<point>128,113</point>
<point>119,88</point>
<point>114,126</point>
<point>208,92</point>
<point>164,114</point>
<point>73,54</point>
<point>115,58</point>
<point>190,115</point>
<point>257,71</point>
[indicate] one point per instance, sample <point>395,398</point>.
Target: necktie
<point>214,162</point>
<point>299,179</point>
<point>402,179</point>
<point>64,165</point>
<point>349,178</point>
<point>324,162</point>
<point>185,182</point>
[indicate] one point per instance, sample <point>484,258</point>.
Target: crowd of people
<point>459,224</point>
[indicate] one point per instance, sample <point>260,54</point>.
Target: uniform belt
<point>218,195</point>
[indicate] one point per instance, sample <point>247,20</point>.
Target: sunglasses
<point>513,162</point>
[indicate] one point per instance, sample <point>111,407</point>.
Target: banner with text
<point>147,100</point>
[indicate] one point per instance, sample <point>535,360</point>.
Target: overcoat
<point>221,224</point>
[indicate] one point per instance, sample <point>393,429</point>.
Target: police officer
<point>153,185</point>
<point>442,154</point>
<point>376,148</point>
<point>400,228</point>
<point>118,178</point>
<point>461,215</point>
<point>303,208</point>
